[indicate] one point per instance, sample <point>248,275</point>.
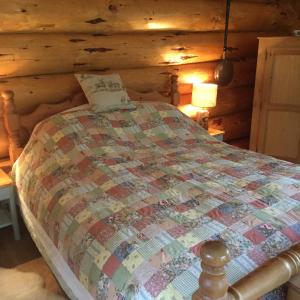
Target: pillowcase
<point>105,92</point>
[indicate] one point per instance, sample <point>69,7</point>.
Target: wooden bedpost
<point>12,125</point>
<point>174,90</point>
<point>269,276</point>
<point>213,283</point>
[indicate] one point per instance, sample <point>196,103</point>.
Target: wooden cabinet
<point>275,128</point>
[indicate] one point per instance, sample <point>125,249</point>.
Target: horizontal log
<point>296,6</point>
<point>109,16</point>
<point>229,100</point>
<point>31,54</point>
<point>32,90</point>
<point>241,143</point>
<point>235,125</point>
<point>244,73</point>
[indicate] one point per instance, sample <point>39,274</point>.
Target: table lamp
<point>204,96</point>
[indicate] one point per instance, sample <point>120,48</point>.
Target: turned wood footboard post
<point>12,125</point>
<point>269,276</point>
<point>213,283</point>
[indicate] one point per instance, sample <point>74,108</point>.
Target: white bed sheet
<point>68,281</point>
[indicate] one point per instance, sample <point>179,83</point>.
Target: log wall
<point>111,16</point>
<point>43,37</point>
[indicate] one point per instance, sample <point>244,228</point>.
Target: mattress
<point>127,198</point>
<point>68,281</point>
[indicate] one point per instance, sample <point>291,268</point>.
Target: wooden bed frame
<point>214,254</point>
<point>20,126</point>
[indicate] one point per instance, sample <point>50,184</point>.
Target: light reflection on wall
<point>193,77</point>
<point>172,58</point>
<point>187,77</point>
<point>159,25</point>
<point>178,57</point>
<point>11,67</point>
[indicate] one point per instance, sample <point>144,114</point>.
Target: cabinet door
<point>279,121</point>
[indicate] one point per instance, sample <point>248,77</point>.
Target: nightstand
<point>8,216</point>
<point>218,134</point>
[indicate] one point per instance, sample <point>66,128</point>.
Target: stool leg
<point>13,214</point>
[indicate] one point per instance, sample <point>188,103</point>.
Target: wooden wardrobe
<point>275,128</point>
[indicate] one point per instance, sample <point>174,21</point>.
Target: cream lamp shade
<point>204,95</point>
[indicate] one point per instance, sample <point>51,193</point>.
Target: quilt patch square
<point>157,283</point>
<point>102,232</point>
<point>111,266</point>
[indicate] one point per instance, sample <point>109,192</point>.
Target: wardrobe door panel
<point>282,135</point>
<point>285,83</point>
<point>276,112</point>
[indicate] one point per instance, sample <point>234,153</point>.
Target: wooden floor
<point>13,253</point>
<point>24,256</point>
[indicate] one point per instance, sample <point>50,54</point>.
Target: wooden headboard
<point>19,126</point>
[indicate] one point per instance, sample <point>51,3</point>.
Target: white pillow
<point>105,92</point>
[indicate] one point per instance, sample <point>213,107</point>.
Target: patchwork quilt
<point>128,198</point>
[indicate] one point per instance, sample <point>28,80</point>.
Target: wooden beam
<point>108,16</point>
<point>33,54</point>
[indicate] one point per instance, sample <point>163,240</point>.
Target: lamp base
<point>202,118</point>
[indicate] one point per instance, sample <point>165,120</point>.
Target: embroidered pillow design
<point>105,92</point>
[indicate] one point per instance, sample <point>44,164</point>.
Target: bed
<point>120,204</point>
